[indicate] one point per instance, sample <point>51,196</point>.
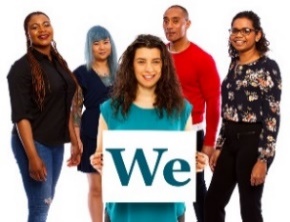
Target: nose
<point>102,45</point>
<point>41,28</point>
<point>149,67</point>
<point>168,25</point>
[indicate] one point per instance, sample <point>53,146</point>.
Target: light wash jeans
<point>39,194</point>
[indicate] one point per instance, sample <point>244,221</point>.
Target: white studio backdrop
<point>125,20</point>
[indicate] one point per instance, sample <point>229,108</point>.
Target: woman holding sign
<point>146,96</point>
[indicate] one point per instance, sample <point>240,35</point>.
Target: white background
<point>125,19</point>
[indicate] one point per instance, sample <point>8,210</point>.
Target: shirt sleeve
<point>271,87</point>
<point>21,93</point>
<point>211,88</point>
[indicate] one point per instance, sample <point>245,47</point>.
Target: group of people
<point>178,80</point>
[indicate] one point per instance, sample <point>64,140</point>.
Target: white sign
<point>149,166</point>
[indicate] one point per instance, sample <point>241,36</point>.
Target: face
<point>243,36</point>
<point>102,49</point>
<point>147,67</point>
<point>40,31</point>
<point>175,24</point>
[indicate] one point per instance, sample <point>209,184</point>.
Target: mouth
<point>43,36</point>
<point>239,42</point>
<point>148,77</point>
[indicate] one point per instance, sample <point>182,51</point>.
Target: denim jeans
<point>39,194</point>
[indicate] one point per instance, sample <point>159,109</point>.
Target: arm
<point>75,157</point>
<point>211,92</point>
<point>271,86</point>
<point>219,145</point>
<point>77,107</point>
<point>97,158</point>
<point>37,169</point>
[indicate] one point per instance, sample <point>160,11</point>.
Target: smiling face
<point>101,49</point>
<point>147,66</point>
<point>243,36</point>
<point>39,32</point>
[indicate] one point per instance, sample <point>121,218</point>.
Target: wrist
<point>262,160</point>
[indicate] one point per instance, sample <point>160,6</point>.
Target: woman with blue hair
<point>95,78</point>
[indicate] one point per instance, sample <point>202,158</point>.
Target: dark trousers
<point>234,166</point>
<point>200,183</point>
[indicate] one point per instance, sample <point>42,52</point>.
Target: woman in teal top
<point>146,96</point>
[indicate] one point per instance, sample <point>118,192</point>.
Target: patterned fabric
<point>251,94</point>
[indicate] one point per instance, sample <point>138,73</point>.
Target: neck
<point>145,97</point>
<point>45,51</point>
<point>101,67</point>
<point>179,45</point>
<point>248,57</point>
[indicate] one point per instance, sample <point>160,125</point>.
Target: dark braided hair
<point>38,76</point>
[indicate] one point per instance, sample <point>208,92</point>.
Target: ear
<point>258,36</point>
<point>188,23</point>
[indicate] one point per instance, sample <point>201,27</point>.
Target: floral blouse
<point>251,93</point>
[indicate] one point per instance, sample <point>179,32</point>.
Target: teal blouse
<point>144,119</point>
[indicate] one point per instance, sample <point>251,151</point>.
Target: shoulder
<point>187,107</point>
<point>106,105</point>
<point>270,65</point>
<point>80,69</point>
<point>270,62</point>
<point>198,49</point>
<point>20,68</point>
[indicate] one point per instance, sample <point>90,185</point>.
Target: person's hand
<point>201,161</point>
<point>75,156</point>
<point>259,172</point>
<point>97,161</point>
<point>208,150</point>
<point>213,159</point>
<point>37,169</point>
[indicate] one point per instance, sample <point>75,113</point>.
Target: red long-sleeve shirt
<point>200,83</point>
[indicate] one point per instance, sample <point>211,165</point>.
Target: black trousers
<point>234,166</point>
<point>200,183</point>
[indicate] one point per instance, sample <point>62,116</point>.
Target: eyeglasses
<point>243,31</point>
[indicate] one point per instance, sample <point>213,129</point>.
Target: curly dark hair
<point>262,44</point>
<point>169,97</point>
<point>38,76</point>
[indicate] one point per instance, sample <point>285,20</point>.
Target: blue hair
<point>97,33</point>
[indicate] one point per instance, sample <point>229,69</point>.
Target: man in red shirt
<point>200,83</point>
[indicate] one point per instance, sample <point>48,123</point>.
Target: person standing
<point>41,89</point>
<point>200,84</point>
<point>146,96</point>
<point>246,144</point>
<point>95,78</point>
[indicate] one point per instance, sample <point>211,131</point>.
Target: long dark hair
<point>38,76</point>
<point>169,97</point>
<point>262,44</point>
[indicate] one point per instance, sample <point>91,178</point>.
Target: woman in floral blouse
<point>246,143</point>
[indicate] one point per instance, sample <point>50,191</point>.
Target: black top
<point>95,92</point>
<point>49,126</point>
<point>251,93</point>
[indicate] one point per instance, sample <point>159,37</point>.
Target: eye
<point>246,31</point>
<point>175,21</point>
<point>46,24</point>
<point>165,21</point>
